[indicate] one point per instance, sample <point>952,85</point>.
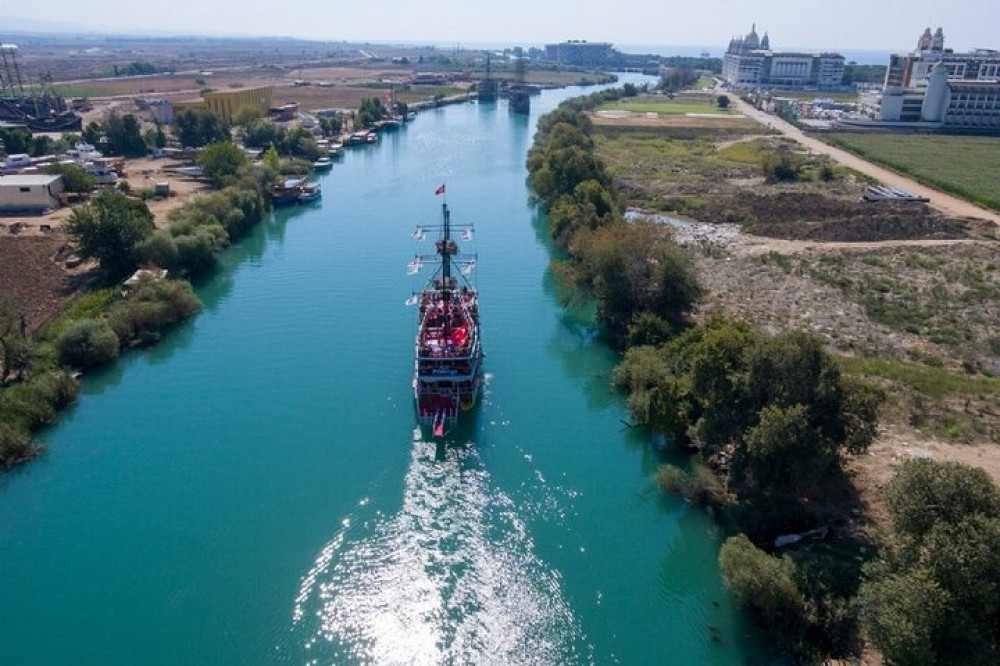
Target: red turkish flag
<point>439,191</point>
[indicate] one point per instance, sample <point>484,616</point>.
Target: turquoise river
<point>253,490</point>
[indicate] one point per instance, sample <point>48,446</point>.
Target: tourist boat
<point>448,355</point>
<point>286,192</point>
<point>371,137</point>
<point>322,164</point>
<point>309,192</point>
<point>336,149</point>
<point>358,137</point>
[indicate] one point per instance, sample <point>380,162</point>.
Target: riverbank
<point>685,385</point>
<point>84,325</point>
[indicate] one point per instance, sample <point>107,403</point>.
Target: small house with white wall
<point>29,193</point>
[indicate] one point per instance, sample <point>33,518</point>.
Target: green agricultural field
<point>963,165</point>
<point>668,107</point>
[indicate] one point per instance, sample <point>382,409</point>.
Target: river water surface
<point>253,490</point>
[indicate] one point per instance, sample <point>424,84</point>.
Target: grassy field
<point>963,165</point>
<point>704,82</point>
<point>668,107</point>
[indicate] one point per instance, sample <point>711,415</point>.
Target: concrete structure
<point>163,111</point>
<point>749,62</point>
<point>226,103</point>
<point>911,70</point>
<point>939,88</point>
<point>29,194</point>
<point>582,53</point>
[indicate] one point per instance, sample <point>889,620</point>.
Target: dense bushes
<point>150,308</point>
<point>27,406</point>
<point>87,343</point>
<point>777,410</point>
<point>933,597</point>
<point>644,284</point>
<point>201,229</point>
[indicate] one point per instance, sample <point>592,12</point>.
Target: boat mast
<point>446,268</point>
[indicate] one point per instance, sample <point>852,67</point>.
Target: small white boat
<point>336,150</point>
<point>309,192</point>
<point>322,164</point>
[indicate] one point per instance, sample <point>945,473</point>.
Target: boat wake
<point>451,579</point>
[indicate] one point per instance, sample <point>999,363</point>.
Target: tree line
<point>771,422</point>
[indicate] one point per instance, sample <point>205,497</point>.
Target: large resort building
<point>750,63</point>
<point>582,53</point>
<point>939,89</point>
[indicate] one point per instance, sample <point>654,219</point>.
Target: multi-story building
<point>226,103</point>
<point>941,88</point>
<point>749,62</point>
<point>582,53</point>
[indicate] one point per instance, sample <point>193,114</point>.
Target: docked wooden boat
<point>358,138</point>
<point>286,192</point>
<point>323,164</point>
<point>448,354</point>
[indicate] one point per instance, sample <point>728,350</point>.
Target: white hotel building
<point>939,88</point>
<point>750,63</point>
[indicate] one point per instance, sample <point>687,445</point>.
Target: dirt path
<point>752,245</point>
<point>945,203</point>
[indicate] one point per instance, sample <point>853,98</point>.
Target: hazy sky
<point>846,24</point>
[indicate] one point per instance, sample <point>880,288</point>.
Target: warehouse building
<point>29,193</point>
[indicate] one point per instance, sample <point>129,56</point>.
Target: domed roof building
<point>749,62</point>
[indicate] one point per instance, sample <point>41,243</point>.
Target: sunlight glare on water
<point>451,579</point>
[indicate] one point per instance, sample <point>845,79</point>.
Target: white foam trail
<point>451,579</point>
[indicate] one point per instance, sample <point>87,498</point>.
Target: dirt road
<point>945,203</point>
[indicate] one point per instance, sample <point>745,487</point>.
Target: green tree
<point>15,140</point>
<point>86,343</point>
<point>40,145</point>
<point>109,230</point>
<point>264,133</point>
<point>933,596</point>
<point>247,115</point>
<point>12,338</point>
<point>762,582</point>
<point>722,101</point>
<point>74,177</point>
<point>158,249</point>
<point>222,161</point>
<point>903,614</point>
<point>331,125</point>
<point>271,159</point>
<point>199,127</point>
<point>925,493</point>
<point>124,136</point>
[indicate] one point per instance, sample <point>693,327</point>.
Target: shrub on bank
<point>27,406</point>
<point>87,343</point>
<point>150,308</point>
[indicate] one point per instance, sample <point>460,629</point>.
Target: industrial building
<point>582,53</point>
<point>29,194</point>
<point>226,103</point>
<point>749,62</point>
<point>939,88</point>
